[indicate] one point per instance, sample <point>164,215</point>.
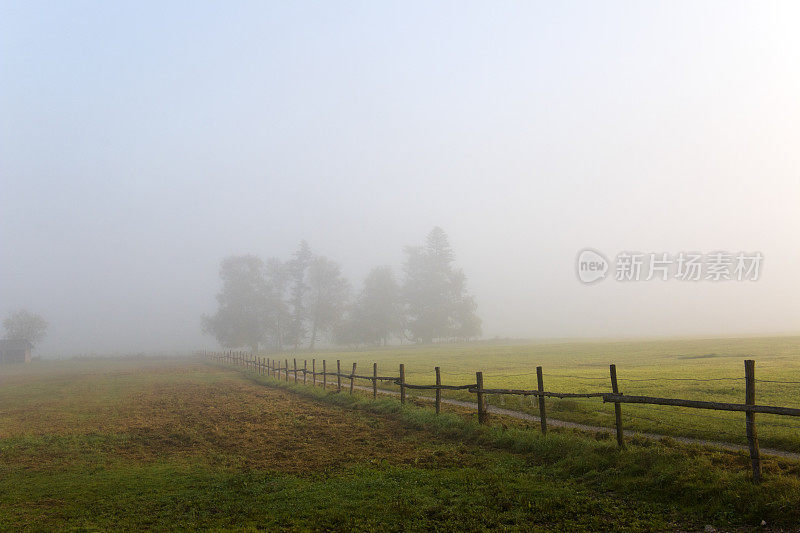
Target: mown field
<point>699,369</point>
<point>181,444</point>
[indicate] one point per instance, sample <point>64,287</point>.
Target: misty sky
<point>141,143</point>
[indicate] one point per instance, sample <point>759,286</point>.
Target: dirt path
<point>584,427</point>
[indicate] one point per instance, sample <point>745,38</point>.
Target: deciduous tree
<point>24,325</point>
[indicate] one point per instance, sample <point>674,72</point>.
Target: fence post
<point>338,376</point>
<point>353,373</point>
<point>481,399</point>
<point>617,406</point>
<point>313,372</point>
<point>374,380</point>
<point>750,417</point>
<point>295,370</point>
<point>542,413</point>
<point>324,375</point>
<point>286,369</point>
<point>402,383</point>
<point>305,370</point>
<point>438,391</point>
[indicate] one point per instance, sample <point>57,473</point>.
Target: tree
<point>435,295</point>
<point>328,294</point>
<point>298,267</point>
<point>278,278</point>
<point>24,325</point>
<point>465,323</point>
<point>244,311</point>
<point>377,315</point>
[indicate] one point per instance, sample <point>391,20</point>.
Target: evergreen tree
<point>435,295</point>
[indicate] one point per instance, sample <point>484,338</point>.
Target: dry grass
<point>152,412</point>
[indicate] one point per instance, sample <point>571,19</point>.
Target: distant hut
<point>15,351</point>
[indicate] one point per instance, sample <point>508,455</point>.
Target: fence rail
<point>274,368</point>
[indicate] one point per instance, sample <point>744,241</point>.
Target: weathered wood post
<point>542,413</point>
<point>438,390</point>
<point>353,373</point>
<point>295,370</point>
<point>481,399</point>
<point>374,380</point>
<point>266,367</point>
<point>313,372</point>
<point>402,383</point>
<point>286,369</point>
<point>305,370</point>
<point>324,374</point>
<point>338,376</point>
<point>750,417</point>
<point>617,407</point>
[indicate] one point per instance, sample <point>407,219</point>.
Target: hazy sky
<point>141,143</point>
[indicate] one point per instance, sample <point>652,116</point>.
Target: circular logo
<point>591,266</point>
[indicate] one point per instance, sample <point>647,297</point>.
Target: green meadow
<point>698,369</point>
<point>184,444</point>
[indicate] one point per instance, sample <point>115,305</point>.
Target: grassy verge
<point>700,369</point>
<point>701,482</point>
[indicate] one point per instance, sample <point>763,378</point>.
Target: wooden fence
<point>272,367</point>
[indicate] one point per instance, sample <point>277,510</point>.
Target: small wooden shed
<point>15,351</point>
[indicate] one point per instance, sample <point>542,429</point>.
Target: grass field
<point>700,369</point>
<point>178,444</point>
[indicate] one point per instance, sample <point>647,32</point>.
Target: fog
<point>141,144</point>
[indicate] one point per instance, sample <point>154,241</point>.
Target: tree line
<point>280,304</point>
